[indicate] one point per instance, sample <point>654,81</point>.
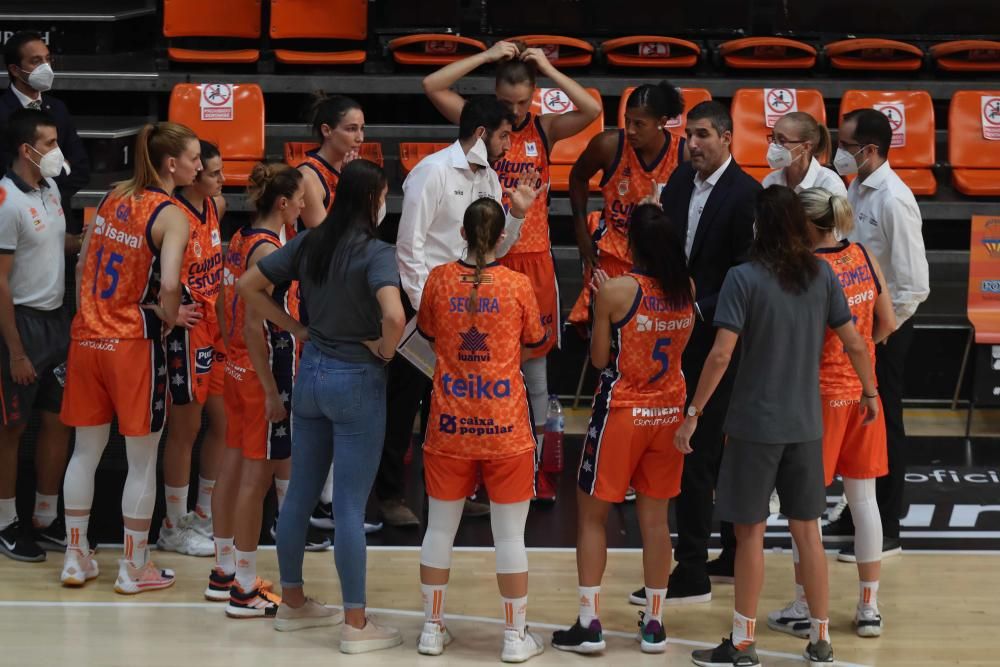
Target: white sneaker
<point>519,647</point>
<point>132,580</point>
<point>77,568</point>
<point>792,620</point>
<point>433,638</point>
<point>184,540</point>
<point>199,524</point>
<point>868,622</point>
<point>774,503</point>
<point>838,509</point>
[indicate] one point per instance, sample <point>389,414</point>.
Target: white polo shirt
<point>699,198</point>
<point>889,226</point>
<point>435,196</point>
<point>33,228</point>
<point>817,176</point>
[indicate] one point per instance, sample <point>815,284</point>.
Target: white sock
<point>225,557</point>
<point>516,614</point>
<point>246,569</point>
<point>8,511</point>
<point>590,604</point>
<point>654,604</point>
<point>800,595</point>
<point>326,497</point>
<point>743,630</point>
<point>819,630</point>
<point>868,595</point>
<point>76,533</point>
<point>46,510</point>
<point>433,597</point>
<point>177,501</point>
<point>280,490</point>
<point>136,552</point>
<point>204,505</point>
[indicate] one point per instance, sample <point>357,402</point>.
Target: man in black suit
<point>29,69</point>
<point>710,200</point>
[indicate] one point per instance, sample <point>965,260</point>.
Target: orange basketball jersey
<point>120,270</point>
<point>328,176</point>
<point>646,347</point>
<point>850,262</point>
<point>479,404</point>
<point>201,273</point>
<point>528,148</point>
<point>627,183</point>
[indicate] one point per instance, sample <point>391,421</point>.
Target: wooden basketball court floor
<point>939,608</point>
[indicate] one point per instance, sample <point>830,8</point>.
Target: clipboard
<point>417,350</point>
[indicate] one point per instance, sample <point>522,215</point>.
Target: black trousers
<point>696,502</point>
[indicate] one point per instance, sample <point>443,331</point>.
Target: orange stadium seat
<point>561,51</point>
<point>239,134</point>
<point>411,153</point>
<point>566,152</point>
<point>767,53</point>
<point>295,151</point>
<point>967,55</point>
<point>433,49</point>
<point>754,114</point>
<point>651,51</point>
<point>912,113</point>
<point>974,142</point>
<point>197,18</point>
<point>692,96</point>
<point>870,54</point>
<point>319,19</point>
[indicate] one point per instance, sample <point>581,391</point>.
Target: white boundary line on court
<point>379,610</point>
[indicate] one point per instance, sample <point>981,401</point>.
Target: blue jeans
<point>334,402</point>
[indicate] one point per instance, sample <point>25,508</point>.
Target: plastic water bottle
<point>552,444</point>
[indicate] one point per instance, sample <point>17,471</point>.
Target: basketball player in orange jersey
<point>532,140</point>
<point>339,124</point>
<point>195,378</point>
<point>637,162</point>
<point>854,451</point>
<point>642,322</point>
<point>260,371</point>
<point>128,295</point>
<point>482,319</point>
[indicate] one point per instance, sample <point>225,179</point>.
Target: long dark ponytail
<point>782,242</point>
<point>657,249</point>
<point>483,224</point>
<point>355,209</point>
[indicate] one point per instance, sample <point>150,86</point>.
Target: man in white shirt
<point>435,196</point>
<point>889,226</point>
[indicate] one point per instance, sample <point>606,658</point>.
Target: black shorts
<point>751,470</point>
<point>45,337</point>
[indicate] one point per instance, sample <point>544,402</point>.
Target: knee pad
<point>536,381</point>
<point>139,496</point>
<point>78,484</point>
<point>867,521</point>
<point>443,517</point>
<point>507,521</point>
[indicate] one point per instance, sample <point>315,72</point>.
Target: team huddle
<point>283,337</point>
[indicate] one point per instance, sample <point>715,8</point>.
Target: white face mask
<point>41,77</point>
<point>844,162</point>
<point>478,155</point>
<point>51,164</point>
<point>778,157</point>
<point>381,214</point>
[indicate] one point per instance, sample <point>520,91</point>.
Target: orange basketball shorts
<point>850,448</point>
<point>217,378</point>
<point>631,446</point>
<point>582,310</point>
<point>111,377</point>
<point>541,271</point>
<point>508,480</point>
<point>191,360</point>
<point>247,428</point>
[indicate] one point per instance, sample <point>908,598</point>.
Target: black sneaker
<point>315,540</point>
<point>579,639</point>
<point>638,597</point>
<point>726,655</point>
<point>841,530</point>
<point>652,637</point>
<point>684,588</point>
<point>820,651</point>
<point>322,516</point>
<point>721,570</point>
<point>890,547</point>
<point>53,537</point>
<point>17,544</point>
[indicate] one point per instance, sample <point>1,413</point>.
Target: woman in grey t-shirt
<point>780,304</point>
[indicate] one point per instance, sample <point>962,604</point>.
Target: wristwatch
<point>693,411</point>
